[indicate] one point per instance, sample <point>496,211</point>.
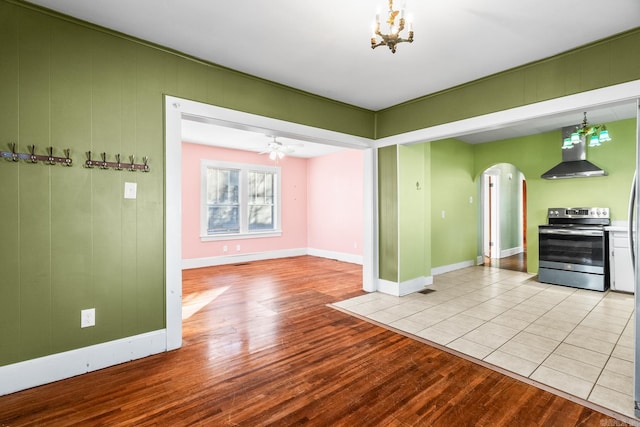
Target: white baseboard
<point>260,256</point>
<point>451,267</point>
<point>340,256</point>
<point>511,251</point>
<point>234,259</point>
<point>479,260</point>
<point>404,288</point>
<point>55,367</point>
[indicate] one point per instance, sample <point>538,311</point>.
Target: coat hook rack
<point>32,157</point>
<point>132,166</point>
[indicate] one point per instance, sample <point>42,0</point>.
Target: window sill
<point>239,236</point>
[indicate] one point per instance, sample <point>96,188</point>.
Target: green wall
<point>608,62</point>
<point>454,237</point>
<point>69,239</point>
<point>454,171</point>
<point>404,195</point>
<point>565,74</point>
<point>428,184</point>
<point>534,155</point>
<point>388,210</point>
<point>412,220</point>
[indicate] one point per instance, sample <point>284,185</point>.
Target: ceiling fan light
<point>272,155</point>
<point>280,154</point>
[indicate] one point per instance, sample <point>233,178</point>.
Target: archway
<point>503,212</point>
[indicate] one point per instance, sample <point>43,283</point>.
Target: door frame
<point>491,214</point>
<point>175,110</point>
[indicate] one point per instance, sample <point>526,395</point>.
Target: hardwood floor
<point>265,349</point>
<point>517,262</point>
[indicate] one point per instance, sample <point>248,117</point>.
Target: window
<point>223,201</point>
<point>239,200</point>
<point>260,202</point>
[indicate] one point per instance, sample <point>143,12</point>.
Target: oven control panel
<point>578,213</point>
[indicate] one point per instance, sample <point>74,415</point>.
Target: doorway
<point>504,217</point>
<point>176,109</point>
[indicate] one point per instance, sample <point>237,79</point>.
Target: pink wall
<point>321,203</point>
<point>294,203</point>
<point>335,202</point>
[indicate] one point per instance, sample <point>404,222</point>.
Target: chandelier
<point>393,37</point>
<point>597,134</point>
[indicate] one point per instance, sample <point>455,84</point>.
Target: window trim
<point>244,169</point>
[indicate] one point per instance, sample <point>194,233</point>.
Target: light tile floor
<point>574,340</point>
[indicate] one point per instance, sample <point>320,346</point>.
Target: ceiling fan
<point>277,149</point>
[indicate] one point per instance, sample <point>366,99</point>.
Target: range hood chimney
<point>574,160</point>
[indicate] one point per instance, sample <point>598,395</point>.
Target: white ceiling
<point>323,47</point>
<point>204,132</point>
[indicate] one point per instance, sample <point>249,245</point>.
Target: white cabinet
<point>620,267</point>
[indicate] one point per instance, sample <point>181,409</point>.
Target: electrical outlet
<point>224,248</point>
<point>87,317</point>
<point>237,247</point>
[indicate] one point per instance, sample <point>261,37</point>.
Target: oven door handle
<point>572,232</point>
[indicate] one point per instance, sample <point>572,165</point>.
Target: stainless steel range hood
<point>574,161</point>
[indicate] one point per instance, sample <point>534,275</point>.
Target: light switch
<point>130,190</point>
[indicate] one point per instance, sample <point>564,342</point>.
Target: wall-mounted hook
<point>14,155</point>
<point>32,153</point>
<point>50,160</point>
<point>104,164</point>
<point>117,165</point>
<point>32,157</point>
<point>89,162</point>
<point>67,157</point>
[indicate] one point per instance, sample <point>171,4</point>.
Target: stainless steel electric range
<point>574,248</point>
